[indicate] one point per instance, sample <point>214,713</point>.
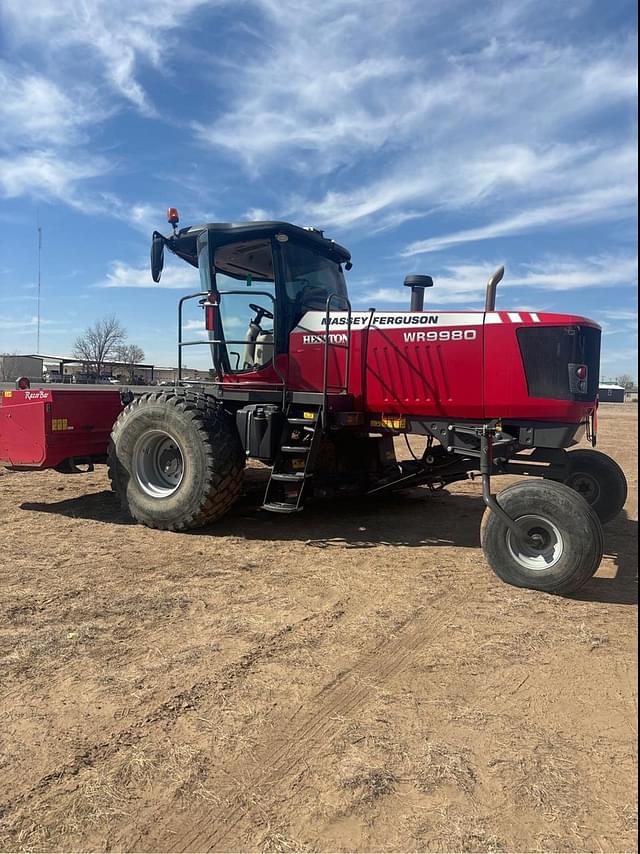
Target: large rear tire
<point>568,534</point>
<point>175,460</point>
<point>599,480</point>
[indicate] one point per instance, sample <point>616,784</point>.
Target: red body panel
<point>434,364</point>
<point>459,365</point>
<point>39,428</point>
<point>505,385</point>
<point>402,362</point>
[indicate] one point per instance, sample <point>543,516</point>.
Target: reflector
<point>210,316</point>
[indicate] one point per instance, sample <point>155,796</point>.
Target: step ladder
<point>293,466</point>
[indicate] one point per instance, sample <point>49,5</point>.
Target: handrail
<point>327,343</point>
<point>210,341</point>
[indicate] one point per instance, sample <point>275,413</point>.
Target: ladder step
<point>298,477</point>
<point>295,449</point>
<point>281,507</point>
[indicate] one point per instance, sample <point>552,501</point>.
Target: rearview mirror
<point>157,255</point>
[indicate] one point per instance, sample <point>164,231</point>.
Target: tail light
<point>578,375</point>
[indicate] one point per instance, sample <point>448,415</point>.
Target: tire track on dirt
<point>171,709</point>
<point>208,826</point>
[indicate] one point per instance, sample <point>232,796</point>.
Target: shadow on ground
<point>621,546</point>
<point>415,518</point>
<point>412,518</point>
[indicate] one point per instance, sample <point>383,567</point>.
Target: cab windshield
<point>310,278</point>
<point>245,320</point>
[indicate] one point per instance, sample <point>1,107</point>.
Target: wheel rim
<point>158,463</point>
<point>586,485</point>
<point>541,546</point>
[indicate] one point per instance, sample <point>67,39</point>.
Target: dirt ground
<point>352,678</point>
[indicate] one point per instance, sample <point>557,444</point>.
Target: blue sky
<point>426,136</point>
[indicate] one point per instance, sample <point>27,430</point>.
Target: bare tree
<point>626,381</point>
<point>130,355</point>
<point>99,343</point>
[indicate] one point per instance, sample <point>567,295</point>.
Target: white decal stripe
<point>492,317</point>
<point>514,317</point>
<point>313,321</point>
<point>535,317</point>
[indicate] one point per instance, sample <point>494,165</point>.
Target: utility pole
<point>39,283</point>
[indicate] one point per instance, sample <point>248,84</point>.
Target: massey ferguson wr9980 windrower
<point>318,392</point>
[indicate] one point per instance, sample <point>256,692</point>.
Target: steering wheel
<point>260,313</point>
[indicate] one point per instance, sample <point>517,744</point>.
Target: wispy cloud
<point>116,34</point>
<point>476,134</point>
<point>465,283</point>
<point>622,314</point>
<point>598,272</point>
<point>44,173</point>
<point>45,127</point>
<point>50,118</point>
<point>439,184</point>
<point>598,205</point>
<point>175,276</point>
<point>28,325</point>
<point>312,90</point>
<point>35,108</point>
<point>309,86</point>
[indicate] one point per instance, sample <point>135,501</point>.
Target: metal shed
<point>611,393</point>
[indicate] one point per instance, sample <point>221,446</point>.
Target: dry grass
<point>22,834</point>
<point>369,784</point>
<point>376,689</point>
<point>275,840</point>
<point>447,830</point>
<point>585,634</point>
<point>442,764</point>
<point>629,816</point>
<point>544,781</point>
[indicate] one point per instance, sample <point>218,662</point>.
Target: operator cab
<point>261,278</point>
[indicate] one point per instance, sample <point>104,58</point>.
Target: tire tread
<point>549,494</point>
<point>225,456</point>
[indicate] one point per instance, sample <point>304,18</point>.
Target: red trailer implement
<point>53,428</point>
<point>318,392</point>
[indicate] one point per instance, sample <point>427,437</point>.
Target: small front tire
<point>599,480</point>
<point>567,544</point>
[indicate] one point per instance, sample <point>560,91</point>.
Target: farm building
<point>12,367</point>
<point>611,393</point>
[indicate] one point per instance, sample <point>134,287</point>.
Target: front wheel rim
<point>585,485</point>
<point>158,464</point>
<point>541,545</point>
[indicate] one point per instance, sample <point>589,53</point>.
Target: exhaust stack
<point>417,284</point>
<point>492,285</point>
